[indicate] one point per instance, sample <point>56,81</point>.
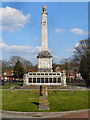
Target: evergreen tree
<point>18,70</point>
<point>84,70</point>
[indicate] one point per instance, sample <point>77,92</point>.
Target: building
<point>8,76</point>
<point>45,74</point>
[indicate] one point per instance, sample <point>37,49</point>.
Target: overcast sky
<point>21,28</point>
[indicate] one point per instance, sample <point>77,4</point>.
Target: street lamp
<point>66,71</point>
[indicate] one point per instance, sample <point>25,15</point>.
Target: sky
<point>21,28</point>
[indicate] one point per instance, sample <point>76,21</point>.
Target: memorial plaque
<point>43,107</point>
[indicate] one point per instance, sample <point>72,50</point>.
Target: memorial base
<point>43,99</point>
<point>43,103</point>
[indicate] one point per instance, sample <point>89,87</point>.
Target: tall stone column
<point>44,57</point>
<point>44,30</point>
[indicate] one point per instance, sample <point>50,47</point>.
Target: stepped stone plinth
<point>43,99</point>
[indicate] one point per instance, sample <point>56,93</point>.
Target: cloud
<point>35,39</point>
<point>12,19</point>
<point>27,52</point>
<point>56,58</point>
<point>1,48</point>
<point>39,48</point>
<point>72,49</point>
<point>58,30</point>
<point>77,44</point>
<point>18,48</point>
<point>1,40</point>
<point>78,31</point>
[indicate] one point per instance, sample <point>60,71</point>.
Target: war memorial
<point>45,76</point>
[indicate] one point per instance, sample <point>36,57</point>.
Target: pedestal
<point>43,99</point>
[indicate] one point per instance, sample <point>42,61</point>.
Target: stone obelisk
<point>44,62</point>
<point>44,57</point>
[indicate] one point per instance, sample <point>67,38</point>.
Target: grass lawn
<point>7,85</point>
<point>27,100</point>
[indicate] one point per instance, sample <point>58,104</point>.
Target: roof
<point>58,68</point>
<point>44,54</point>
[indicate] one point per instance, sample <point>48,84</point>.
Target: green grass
<point>83,83</point>
<point>59,100</point>
<point>8,85</point>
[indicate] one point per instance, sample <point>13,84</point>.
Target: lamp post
<point>66,71</point>
<point>9,83</point>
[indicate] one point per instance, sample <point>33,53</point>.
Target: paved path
<point>51,89</point>
<point>76,115</point>
<point>44,115</point>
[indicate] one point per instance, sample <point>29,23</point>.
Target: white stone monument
<point>44,57</point>
<point>45,74</point>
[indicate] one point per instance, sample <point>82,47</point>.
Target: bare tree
<point>81,55</point>
<point>24,62</point>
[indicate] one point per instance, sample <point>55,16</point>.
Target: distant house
<point>8,76</point>
<point>31,69</point>
<point>74,75</point>
<point>71,73</point>
<point>1,77</point>
<point>58,69</point>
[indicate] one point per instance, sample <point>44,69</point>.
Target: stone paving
<point>76,115</point>
<point>67,114</point>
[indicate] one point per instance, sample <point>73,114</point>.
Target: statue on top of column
<point>44,8</point>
